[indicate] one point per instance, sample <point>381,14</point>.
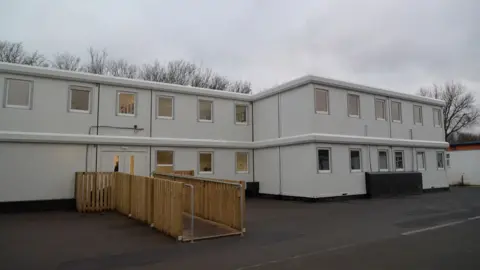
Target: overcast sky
<point>398,45</point>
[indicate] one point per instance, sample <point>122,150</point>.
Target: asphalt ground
<point>429,231</point>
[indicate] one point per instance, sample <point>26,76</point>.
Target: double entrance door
<point>132,162</point>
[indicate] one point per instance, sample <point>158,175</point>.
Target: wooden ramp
<point>204,229</point>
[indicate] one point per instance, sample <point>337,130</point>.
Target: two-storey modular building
<point>311,137</point>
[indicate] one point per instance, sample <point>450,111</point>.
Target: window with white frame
<point>417,115</point>
<point>79,99</point>
<point>380,112</point>
<point>18,94</point>
<point>437,117</point>
<point>241,114</point>
<point>440,161</point>
<point>383,160</point>
<point>355,160</point>
<point>420,161</point>
<point>164,161</point>
<point>448,159</point>
<point>353,102</point>
<point>205,160</point>
<point>241,162</point>
<point>398,157</point>
<point>165,107</point>
<point>205,110</point>
<point>323,156</point>
<point>396,111</point>
<point>321,101</point>
<point>126,103</point>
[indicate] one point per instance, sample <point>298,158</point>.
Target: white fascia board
<point>344,139</point>
<point>58,138</point>
<point>320,81</point>
<point>16,69</point>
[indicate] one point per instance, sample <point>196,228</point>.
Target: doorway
<point>132,162</point>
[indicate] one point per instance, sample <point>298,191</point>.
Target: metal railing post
<point>192,211</point>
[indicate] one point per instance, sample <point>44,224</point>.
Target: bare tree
<point>97,61</point>
<point>153,72</point>
<point>13,52</point>
<point>66,61</point>
<point>202,78</point>
<point>460,111</point>
<point>121,68</point>
<point>243,87</point>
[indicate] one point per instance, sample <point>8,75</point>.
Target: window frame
<point>134,103</point>
<point>172,98</point>
<point>235,114</point>
<point>359,150</point>
<point>395,161</point>
<point>388,162</point>
<point>400,113</point>
<point>248,162</point>
<point>30,94</point>
<point>165,165</point>
<point>447,160</point>
<point>329,160</point>
<point>440,117</point>
<point>211,160</point>
<point>198,110</point>
<point>72,88</point>
<point>424,160</point>
<point>358,103</point>
<point>421,115</point>
<point>443,160</point>
<point>327,101</point>
<point>384,101</point>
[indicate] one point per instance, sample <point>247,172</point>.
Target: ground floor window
<point>205,162</point>
<point>323,155</point>
<point>164,162</point>
<point>355,160</point>
<point>448,159</point>
<point>241,162</point>
<point>420,161</point>
<point>399,166</point>
<point>440,162</point>
<point>383,160</point>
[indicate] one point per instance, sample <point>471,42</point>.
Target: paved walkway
<point>429,231</point>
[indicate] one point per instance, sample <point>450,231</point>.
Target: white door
<point>126,162</point>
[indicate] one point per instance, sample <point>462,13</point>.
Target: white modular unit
<point>54,123</point>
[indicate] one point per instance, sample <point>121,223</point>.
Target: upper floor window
<point>396,111</point>
<point>79,99</point>
<point>323,155</point>
<point>241,162</point>
<point>241,114</point>
<point>380,112</point>
<point>417,115</point>
<point>205,110</point>
<point>205,162</point>
<point>165,107</point>
<point>383,160</point>
<point>420,161</point>
<point>321,101</point>
<point>164,161</point>
<point>437,117</point>
<point>399,166</point>
<point>353,103</point>
<point>126,103</point>
<point>18,94</point>
<point>440,161</point>
<point>355,160</point>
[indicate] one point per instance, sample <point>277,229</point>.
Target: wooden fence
<point>94,192</point>
<point>157,202</point>
<point>222,201</point>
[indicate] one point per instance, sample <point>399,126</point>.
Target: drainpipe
<point>368,147</point>
<point>253,140</point>
<point>279,147</point>
<point>413,150</point>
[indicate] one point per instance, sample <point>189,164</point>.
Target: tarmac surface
<point>429,231</point>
